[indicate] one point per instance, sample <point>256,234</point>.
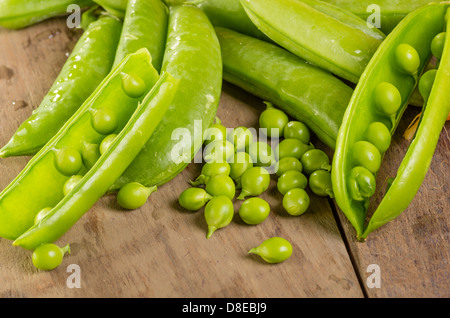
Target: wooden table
<point>160,250</point>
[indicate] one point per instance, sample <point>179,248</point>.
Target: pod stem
<point>151,190</point>
<point>211,230</point>
<point>65,249</point>
<point>201,180</point>
<point>326,167</point>
<point>254,250</point>
<point>243,194</point>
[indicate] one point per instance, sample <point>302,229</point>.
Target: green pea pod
<point>381,97</point>
<point>391,12</point>
<point>193,56</point>
<point>145,25</point>
<point>89,63</point>
<point>287,81</point>
<point>343,45</point>
<point>108,168</point>
<point>40,184</point>
<point>414,166</point>
<point>117,8</point>
<point>17,14</point>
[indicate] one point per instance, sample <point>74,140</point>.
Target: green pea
<point>407,58</point>
<point>241,137</point>
<point>426,83</point>
<point>290,180</point>
<point>254,182</point>
<point>49,256</point>
<point>291,148</point>
<point>437,45</point>
<point>68,161</point>
<point>361,184</point>
<point>254,211</point>
<point>273,250</point>
<point>217,131</point>
<point>241,162</point>
<point>320,183</point>
<point>221,185</point>
<point>41,214</point>
<point>133,85</point>
<point>107,142</point>
<point>105,121</point>
<point>71,183</point>
<point>296,201</point>
<point>315,159</point>
<point>366,155</point>
<point>193,199</point>
<point>288,164</point>
<point>90,154</point>
<point>379,135</point>
<point>261,154</point>
<point>219,212</point>
<point>387,98</point>
<point>219,151</point>
<point>273,120</point>
<point>133,195</point>
<point>297,130</point>
<point>210,169</point>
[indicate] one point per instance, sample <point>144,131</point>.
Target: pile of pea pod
<point>143,69</point>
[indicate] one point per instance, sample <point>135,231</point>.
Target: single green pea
<point>296,201</point>
<point>290,180</point>
<point>320,183</point>
<point>291,148</point>
<point>361,184</point>
<point>105,121</point>
<point>217,131</point>
<point>272,121</point>
<point>241,137</point>
<point>107,142</point>
<point>254,211</point>
<point>133,85</point>
<point>71,183</point>
<point>210,169</point>
<point>288,164</point>
<point>90,154</point>
<point>41,214</point>
<point>134,195</point>
<point>273,250</point>
<point>221,185</point>
<point>297,130</point>
<point>407,58</point>
<point>241,162</point>
<point>315,159</point>
<point>68,161</point>
<point>366,155</point>
<point>219,212</point>
<point>254,182</point>
<point>387,98</point>
<point>437,45</point>
<point>218,151</point>
<point>49,256</point>
<point>193,199</point>
<point>426,83</point>
<point>261,154</point>
<point>379,135</point>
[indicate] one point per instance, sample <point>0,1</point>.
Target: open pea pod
<point>343,45</point>
<point>373,114</point>
<point>75,148</point>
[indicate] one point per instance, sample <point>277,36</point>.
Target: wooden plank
<point>161,250</point>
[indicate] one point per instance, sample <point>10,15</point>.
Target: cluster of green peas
<point>235,160</point>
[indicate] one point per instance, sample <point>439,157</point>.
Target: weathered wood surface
<point>160,250</point>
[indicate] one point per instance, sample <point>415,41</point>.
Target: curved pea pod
<point>375,110</point>
<point>192,56</point>
<point>18,14</point>
<point>41,182</point>
<point>117,8</point>
<point>111,164</point>
<point>278,76</point>
<point>414,166</point>
<point>343,45</point>
<point>144,25</point>
<point>89,63</point>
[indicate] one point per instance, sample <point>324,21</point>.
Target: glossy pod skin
<point>18,14</point>
<point>285,80</point>
<point>192,56</point>
<point>144,25</point>
<point>40,184</point>
<point>89,63</point>
<point>343,46</point>
<point>110,165</point>
<point>357,159</point>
